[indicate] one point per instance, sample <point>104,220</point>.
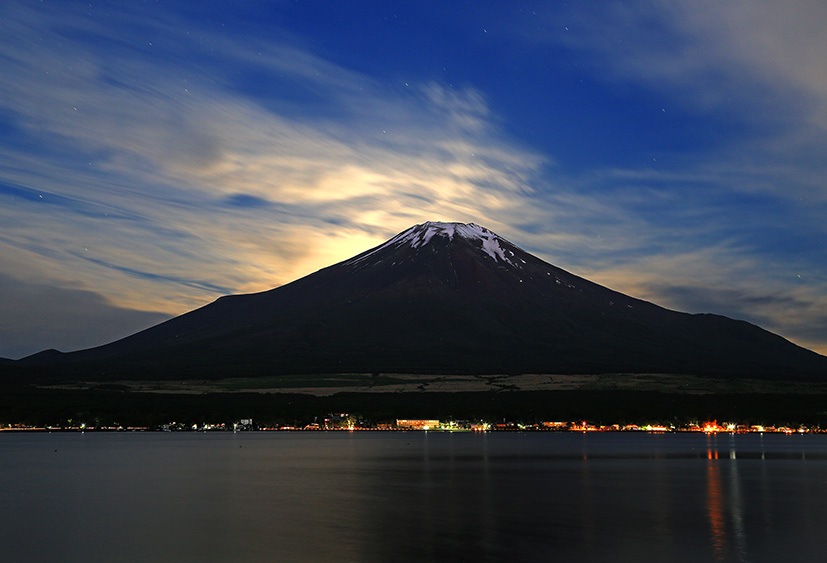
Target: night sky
<point>156,155</point>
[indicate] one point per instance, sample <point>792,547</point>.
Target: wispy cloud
<point>76,318</point>
<point>160,164</point>
<point>712,48</point>
<point>737,215</point>
<point>162,185</point>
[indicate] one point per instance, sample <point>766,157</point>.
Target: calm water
<point>412,497</point>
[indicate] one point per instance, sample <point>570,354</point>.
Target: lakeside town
<point>347,422</point>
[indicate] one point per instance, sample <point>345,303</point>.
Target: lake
<point>412,496</point>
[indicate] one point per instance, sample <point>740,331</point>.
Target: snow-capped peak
<point>420,235</point>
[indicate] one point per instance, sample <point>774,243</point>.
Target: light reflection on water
<point>715,509</point>
<point>412,497</point>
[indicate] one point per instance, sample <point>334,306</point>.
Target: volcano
<point>442,298</point>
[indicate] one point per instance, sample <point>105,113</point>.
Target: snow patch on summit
<point>491,245</point>
<point>419,236</point>
<point>471,231</point>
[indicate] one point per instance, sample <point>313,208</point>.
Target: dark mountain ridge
<point>440,298</point>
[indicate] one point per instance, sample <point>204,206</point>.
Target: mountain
<point>441,298</point>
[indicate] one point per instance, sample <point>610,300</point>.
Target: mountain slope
<point>443,298</point>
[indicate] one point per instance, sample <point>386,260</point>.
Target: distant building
<point>243,424</point>
<point>339,420</point>
<point>417,424</point>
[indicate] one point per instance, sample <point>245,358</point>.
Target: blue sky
<point>157,155</point>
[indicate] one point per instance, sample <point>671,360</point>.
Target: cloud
<point>727,280</point>
<point>162,185</point>
<point>713,49</point>
<point>799,314</point>
<point>74,318</point>
<point>744,83</point>
<point>159,165</point>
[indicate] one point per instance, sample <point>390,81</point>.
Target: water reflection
<point>413,497</point>
<point>715,510</point>
<point>724,499</point>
